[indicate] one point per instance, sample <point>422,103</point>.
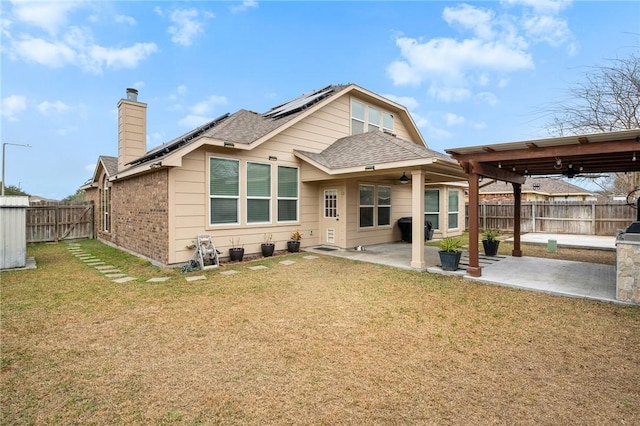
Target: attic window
<point>366,118</point>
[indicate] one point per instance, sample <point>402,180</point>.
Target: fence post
<point>533,216</point>
<point>593,218</point>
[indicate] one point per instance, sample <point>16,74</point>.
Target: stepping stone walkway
<point>119,277</point>
<point>258,267</point>
<point>196,278</point>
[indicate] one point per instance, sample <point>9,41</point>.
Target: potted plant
<point>267,246</point>
<point>450,253</point>
<point>293,245</point>
<point>490,242</point>
<point>236,252</point>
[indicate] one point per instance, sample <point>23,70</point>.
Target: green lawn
<point>320,341</point>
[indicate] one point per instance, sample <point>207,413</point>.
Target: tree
<point>608,99</point>
<point>78,196</point>
<point>13,190</point>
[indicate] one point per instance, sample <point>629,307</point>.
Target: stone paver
<point>110,271</point>
<point>94,264</point>
<point>115,275</point>
<point>123,280</point>
<point>258,267</point>
<point>158,279</point>
<point>195,278</point>
<point>90,260</point>
<point>229,272</point>
<point>101,267</point>
<point>287,262</point>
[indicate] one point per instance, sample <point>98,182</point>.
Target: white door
<point>330,217</point>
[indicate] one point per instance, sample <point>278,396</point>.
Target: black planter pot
<point>236,254</point>
<point>490,247</point>
<point>450,260</point>
<point>267,249</point>
<point>293,246</point>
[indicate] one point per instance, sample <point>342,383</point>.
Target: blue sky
<point>469,72</point>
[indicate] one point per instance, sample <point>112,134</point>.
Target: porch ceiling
<point>595,153</point>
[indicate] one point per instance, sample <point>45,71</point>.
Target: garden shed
<point>13,249</point>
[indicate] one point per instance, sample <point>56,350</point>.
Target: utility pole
<point>4,156</point>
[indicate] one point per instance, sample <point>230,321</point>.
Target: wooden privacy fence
<point>59,221</point>
<point>558,218</point>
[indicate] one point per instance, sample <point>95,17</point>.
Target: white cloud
<point>488,98</point>
<point>543,6</point>
<point>124,19</point>
<point>496,45</point>
<point>202,111</point>
<point>188,24</point>
<point>453,119</point>
<point>12,106</point>
<point>207,106</point>
<point>58,106</point>
<point>473,18</point>
<point>90,167</point>
<point>193,121</point>
<point>407,101</point>
<point>245,5</point>
<point>77,48</point>
<point>50,16</point>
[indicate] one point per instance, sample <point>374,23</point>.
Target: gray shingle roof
<point>380,148</point>
<point>110,164</point>
<point>546,185</point>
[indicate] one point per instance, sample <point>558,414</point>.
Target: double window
<point>375,206</point>
<point>225,194</point>
<point>432,207</point>
<point>365,118</point>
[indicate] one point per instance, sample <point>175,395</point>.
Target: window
<point>106,205</point>
<point>224,191</point>
<point>357,117</point>
<point>258,193</point>
<point>375,206</point>
<point>330,203</point>
<point>365,118</point>
<point>384,205</point>
<point>366,206</point>
<point>454,197</point>
<point>432,207</point>
<point>287,194</point>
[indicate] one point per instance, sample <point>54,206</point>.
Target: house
<point>340,164</point>
<point>536,188</point>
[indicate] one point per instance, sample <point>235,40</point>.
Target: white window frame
<point>213,196</point>
<point>371,206</point>
<point>367,124</point>
<point>283,198</point>
<point>255,197</point>
<point>106,206</point>
<point>378,206</point>
<point>437,213</point>
<point>455,213</point>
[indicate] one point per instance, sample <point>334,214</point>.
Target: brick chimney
<point>132,129</point>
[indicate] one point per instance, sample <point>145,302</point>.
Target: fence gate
<point>59,221</point>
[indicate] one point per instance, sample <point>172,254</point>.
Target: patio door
<point>330,217</point>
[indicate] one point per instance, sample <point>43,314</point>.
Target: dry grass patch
<point>324,341</point>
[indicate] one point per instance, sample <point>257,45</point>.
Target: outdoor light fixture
<point>156,165</point>
<point>499,165</point>
<point>634,157</point>
<point>558,164</point>
<point>404,179</point>
<point>369,168</point>
<point>273,158</point>
<point>229,144</point>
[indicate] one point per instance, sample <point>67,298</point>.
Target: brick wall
<point>139,219</point>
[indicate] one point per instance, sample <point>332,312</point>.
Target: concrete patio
<point>560,277</point>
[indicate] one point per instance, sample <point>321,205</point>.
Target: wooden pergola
<point>512,162</point>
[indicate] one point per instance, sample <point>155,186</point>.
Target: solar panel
<point>299,103</point>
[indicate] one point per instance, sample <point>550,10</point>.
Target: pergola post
<point>517,212</point>
<point>417,211</point>
<point>474,269</point>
